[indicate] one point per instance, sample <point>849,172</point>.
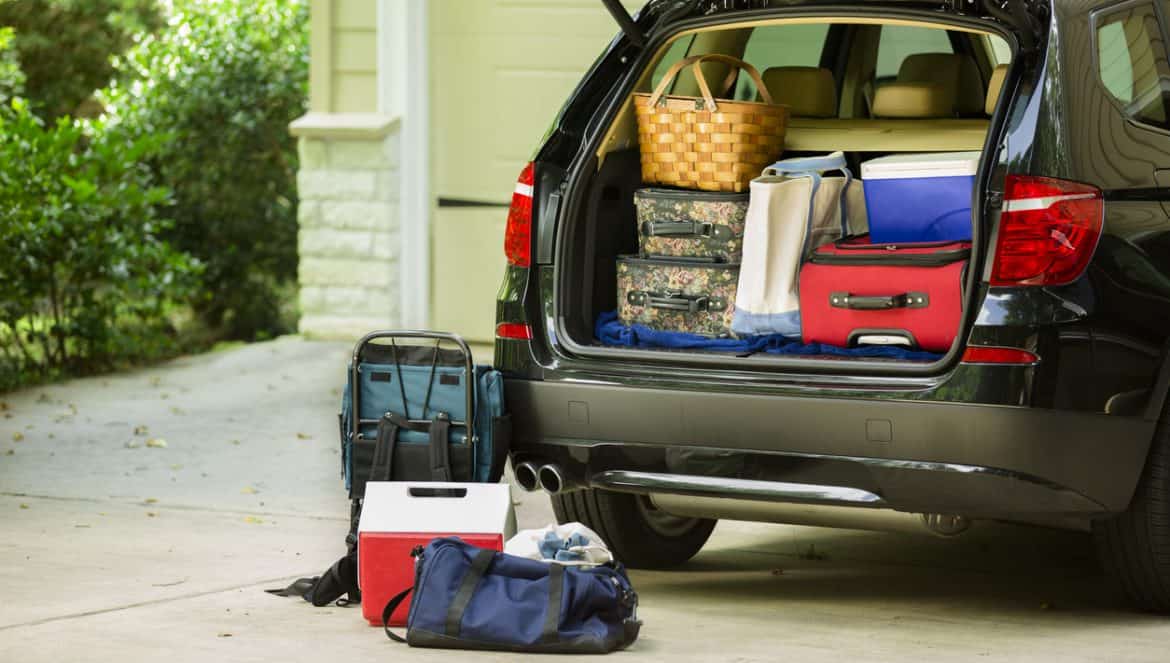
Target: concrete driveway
<point>114,547</point>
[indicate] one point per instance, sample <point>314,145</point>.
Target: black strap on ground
<point>439,453</point>
<point>340,579</point>
<point>382,466</point>
<point>552,615</point>
<point>479,566</point>
<point>391,606</point>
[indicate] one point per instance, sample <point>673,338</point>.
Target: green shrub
<point>85,279</point>
<point>225,79</point>
<point>66,47</point>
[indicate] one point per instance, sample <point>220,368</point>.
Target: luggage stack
<point>808,252</point>
<point>685,276</point>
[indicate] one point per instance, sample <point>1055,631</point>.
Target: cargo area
<point>888,94</point>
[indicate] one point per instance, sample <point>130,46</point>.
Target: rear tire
<point>639,535</point>
<point>1134,546</point>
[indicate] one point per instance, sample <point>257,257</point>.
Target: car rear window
<point>781,46</point>
<point>897,42</point>
<point>1132,62</point>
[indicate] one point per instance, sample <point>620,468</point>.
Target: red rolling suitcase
<point>856,293</point>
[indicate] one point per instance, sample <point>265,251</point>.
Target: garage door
<point>500,70</point>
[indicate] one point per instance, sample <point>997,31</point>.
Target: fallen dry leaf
<point>141,430</point>
<point>225,635</point>
<point>3,405</point>
<point>253,519</point>
<point>150,500</point>
<point>248,490</point>
<point>156,443</point>
<point>23,506</point>
<point>17,436</point>
<point>151,514</point>
<point>304,436</point>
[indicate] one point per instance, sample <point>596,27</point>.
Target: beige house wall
<point>412,101</point>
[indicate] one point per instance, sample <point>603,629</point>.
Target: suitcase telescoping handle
<point>878,302</point>
<point>468,423</point>
<point>673,301</point>
<point>686,229</point>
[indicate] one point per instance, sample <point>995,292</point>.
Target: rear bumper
<point>976,460</point>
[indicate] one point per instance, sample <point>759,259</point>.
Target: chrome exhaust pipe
<point>551,479</point>
<point>526,476</point>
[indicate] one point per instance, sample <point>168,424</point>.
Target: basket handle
<point>735,63</point>
<point>696,61</point>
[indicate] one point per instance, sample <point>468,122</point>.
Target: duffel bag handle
<point>878,302</point>
<point>696,62</point>
<point>676,301</point>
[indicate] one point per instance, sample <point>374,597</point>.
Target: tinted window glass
<point>677,51</point>
<point>781,46</point>
<point>999,50</point>
<point>899,41</point>
<point>1132,64</point>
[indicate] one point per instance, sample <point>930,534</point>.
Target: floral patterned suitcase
<point>677,294</point>
<point>695,224</point>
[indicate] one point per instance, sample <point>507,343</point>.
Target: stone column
<point>349,224</point>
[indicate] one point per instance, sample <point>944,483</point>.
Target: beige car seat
<point>956,72</point>
<point>807,91</point>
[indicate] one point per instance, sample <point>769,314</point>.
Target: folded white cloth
<point>571,544</point>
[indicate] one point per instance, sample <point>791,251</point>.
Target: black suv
<point>1051,406</point>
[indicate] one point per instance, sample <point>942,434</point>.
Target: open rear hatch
<point>861,50</point>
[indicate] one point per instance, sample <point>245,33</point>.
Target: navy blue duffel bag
<point>473,598</point>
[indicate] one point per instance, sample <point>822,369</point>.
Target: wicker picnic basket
<point>707,143</point>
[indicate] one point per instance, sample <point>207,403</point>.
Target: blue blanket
<point>610,331</point>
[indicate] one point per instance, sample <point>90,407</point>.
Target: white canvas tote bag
<point>792,210</point>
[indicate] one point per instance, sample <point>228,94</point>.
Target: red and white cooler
<point>397,516</point>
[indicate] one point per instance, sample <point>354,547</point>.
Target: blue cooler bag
<point>472,598</point>
<point>410,413</point>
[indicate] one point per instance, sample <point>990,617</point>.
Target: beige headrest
<point>912,100</point>
<point>957,73</point>
<point>994,86</point>
<point>808,91</point>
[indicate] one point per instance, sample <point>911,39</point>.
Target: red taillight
<point>518,233</point>
<point>514,330</point>
<point>1048,231</point>
<point>977,354</point>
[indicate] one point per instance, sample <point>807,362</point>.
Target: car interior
<point>865,87</point>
